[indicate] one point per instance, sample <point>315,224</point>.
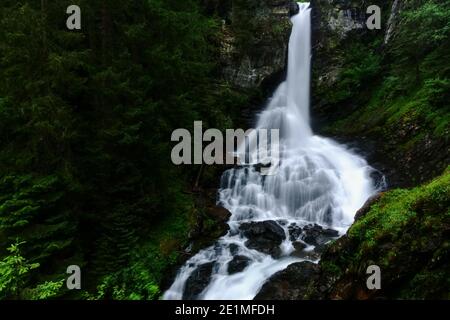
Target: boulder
<point>316,235</point>
<point>294,232</point>
<point>219,214</point>
<point>198,281</point>
<point>265,236</point>
<point>291,283</point>
<point>238,264</point>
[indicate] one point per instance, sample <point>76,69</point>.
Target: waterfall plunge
<point>318,181</point>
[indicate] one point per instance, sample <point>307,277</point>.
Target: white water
<point>318,181</point>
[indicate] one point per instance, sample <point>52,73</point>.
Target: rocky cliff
<point>254,42</point>
<point>368,91</point>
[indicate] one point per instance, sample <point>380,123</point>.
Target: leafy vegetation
<point>405,233</point>
<point>86,118</point>
<point>398,92</point>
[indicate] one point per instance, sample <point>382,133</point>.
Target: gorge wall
<point>372,89</point>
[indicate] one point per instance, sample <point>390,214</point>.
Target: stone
<point>198,281</point>
<point>294,232</point>
<point>316,235</point>
<point>219,214</point>
<point>265,236</point>
<point>291,283</point>
<point>238,264</point>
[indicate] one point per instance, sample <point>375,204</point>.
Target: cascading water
<point>319,186</point>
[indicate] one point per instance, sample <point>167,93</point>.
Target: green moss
<point>404,233</point>
<point>331,268</point>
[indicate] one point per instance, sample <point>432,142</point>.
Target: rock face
<point>341,17</point>
<point>265,236</point>
<point>392,22</point>
<point>336,23</point>
<point>291,283</point>
<point>405,150</point>
<point>254,42</point>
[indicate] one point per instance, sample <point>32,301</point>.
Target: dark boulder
<point>291,283</point>
<point>198,281</point>
<point>316,235</point>
<point>265,236</point>
<point>238,264</point>
<point>294,232</point>
<point>299,246</point>
<point>299,251</point>
<point>219,214</point>
<point>234,248</point>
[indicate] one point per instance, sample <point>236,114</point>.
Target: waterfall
<point>286,217</point>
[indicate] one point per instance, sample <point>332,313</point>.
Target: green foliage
<point>15,274</point>
<point>360,67</point>
<point>405,106</point>
<point>86,118</point>
<point>399,207</point>
<point>149,264</point>
<point>425,27</point>
<point>46,290</point>
<point>14,270</point>
<point>405,233</point>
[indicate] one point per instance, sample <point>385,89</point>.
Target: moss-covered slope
<point>407,234</point>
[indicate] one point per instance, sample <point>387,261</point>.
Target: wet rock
<point>300,251</point>
<point>291,283</point>
<point>330,233</point>
<point>316,235</point>
<point>308,255</point>
<point>238,264</point>
<point>268,229</point>
<point>219,214</point>
<point>294,232</point>
<point>219,217</point>
<point>234,248</point>
<point>299,246</point>
<point>379,179</point>
<point>265,236</point>
<point>198,281</point>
